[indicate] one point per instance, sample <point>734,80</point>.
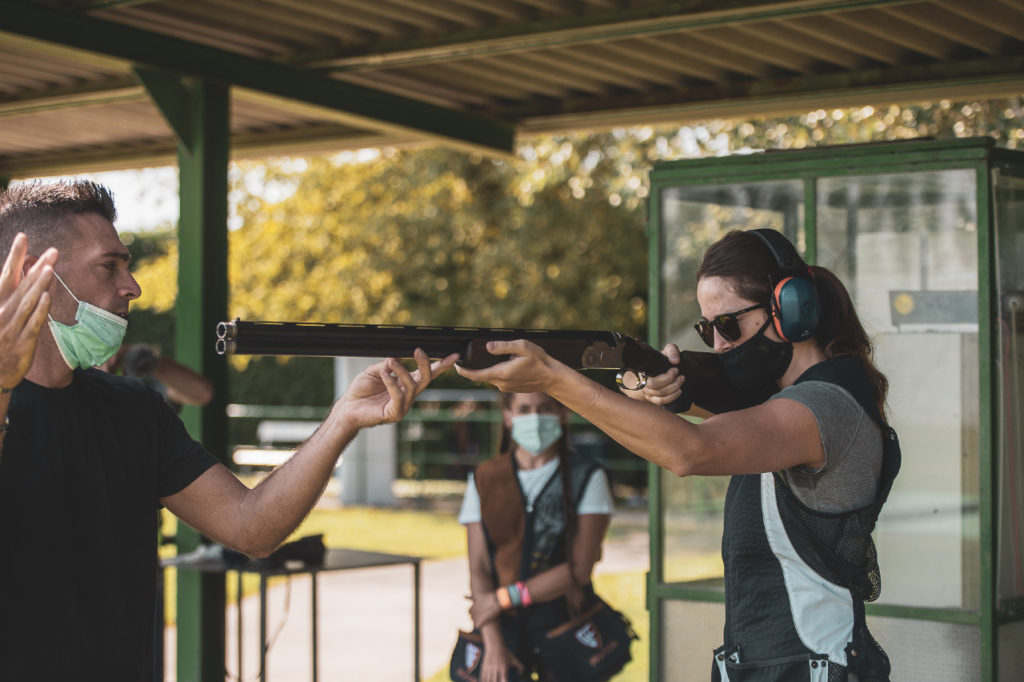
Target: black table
<point>334,560</point>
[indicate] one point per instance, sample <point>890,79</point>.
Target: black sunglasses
<point>727,324</point>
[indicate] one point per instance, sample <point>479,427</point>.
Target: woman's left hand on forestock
<point>529,369</point>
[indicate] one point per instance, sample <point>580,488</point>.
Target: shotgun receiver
<point>579,350</point>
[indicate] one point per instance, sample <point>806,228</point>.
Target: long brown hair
<point>743,258</point>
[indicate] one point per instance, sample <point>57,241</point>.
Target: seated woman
<point>535,515</point>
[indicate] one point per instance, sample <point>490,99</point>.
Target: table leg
<point>238,625</point>
<point>263,628</point>
<point>312,578</point>
<point>416,621</point>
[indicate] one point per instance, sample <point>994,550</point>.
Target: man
<point>181,385</point>
<point>86,456</point>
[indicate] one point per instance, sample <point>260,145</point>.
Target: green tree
<point>440,237</point>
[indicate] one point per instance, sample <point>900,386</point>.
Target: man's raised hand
<point>24,304</point>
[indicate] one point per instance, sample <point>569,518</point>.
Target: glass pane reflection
<point>692,219</point>
<point>905,245</point>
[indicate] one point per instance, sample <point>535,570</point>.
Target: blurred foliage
<point>439,237</point>
<point>155,263</point>
<point>554,237</point>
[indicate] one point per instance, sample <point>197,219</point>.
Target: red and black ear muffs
<point>794,302</point>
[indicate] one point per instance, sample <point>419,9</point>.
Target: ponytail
<point>840,332</point>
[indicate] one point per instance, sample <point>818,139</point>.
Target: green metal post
<point>202,302</point>
<point>655,504</point>
<point>988,351</point>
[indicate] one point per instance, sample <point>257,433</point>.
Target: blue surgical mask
<point>535,433</point>
<point>93,340</point>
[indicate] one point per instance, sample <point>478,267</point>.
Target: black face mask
<point>754,366</point>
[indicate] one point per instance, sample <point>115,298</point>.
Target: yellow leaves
<point>158,278</point>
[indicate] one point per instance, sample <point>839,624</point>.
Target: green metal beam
<point>202,302</point>
<point>641,22</point>
<point>361,106</point>
<point>171,97</point>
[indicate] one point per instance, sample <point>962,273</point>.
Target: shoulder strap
<point>503,515</point>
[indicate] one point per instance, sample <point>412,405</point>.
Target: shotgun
<point>581,350</point>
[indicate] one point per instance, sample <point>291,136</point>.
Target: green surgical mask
<point>93,340</point>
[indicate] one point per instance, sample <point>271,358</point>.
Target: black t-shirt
<point>81,473</point>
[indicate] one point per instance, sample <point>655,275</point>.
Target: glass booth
<point>928,236</point>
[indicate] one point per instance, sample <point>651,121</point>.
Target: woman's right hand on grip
<point>663,388</point>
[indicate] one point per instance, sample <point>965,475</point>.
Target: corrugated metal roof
<point>466,70</point>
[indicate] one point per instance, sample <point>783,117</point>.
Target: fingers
<point>660,381</point>
<point>421,377</point>
<point>31,291</point>
<point>36,319</point>
<point>516,347</point>
<point>13,265</point>
<point>427,371</point>
<point>441,366</point>
<point>405,378</point>
<point>664,399</point>
<point>519,348</point>
<point>403,386</point>
<point>391,376</point>
<point>671,351</point>
<point>49,258</point>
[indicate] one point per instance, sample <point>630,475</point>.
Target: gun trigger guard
<point>641,379</point>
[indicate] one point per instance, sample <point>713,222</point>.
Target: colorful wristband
<point>524,594</point>
<point>513,594</point>
<point>504,601</point>
<point>5,390</point>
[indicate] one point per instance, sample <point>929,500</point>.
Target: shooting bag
<point>589,648</point>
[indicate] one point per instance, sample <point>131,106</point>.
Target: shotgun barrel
<point>579,349</point>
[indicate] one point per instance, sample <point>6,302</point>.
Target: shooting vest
<point>523,541</point>
<point>797,579</point>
